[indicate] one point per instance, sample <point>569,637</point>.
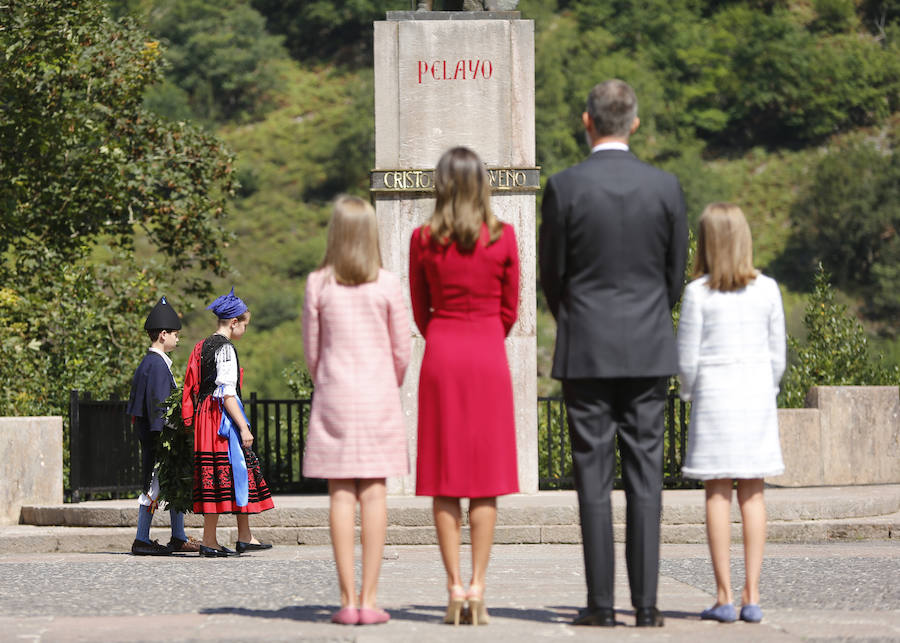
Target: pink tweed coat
<point>357,343</point>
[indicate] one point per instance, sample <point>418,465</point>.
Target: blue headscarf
<point>228,306</point>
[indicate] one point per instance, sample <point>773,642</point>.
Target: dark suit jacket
<point>151,385</point>
<point>613,246</point>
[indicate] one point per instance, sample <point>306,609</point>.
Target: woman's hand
<point>246,438</point>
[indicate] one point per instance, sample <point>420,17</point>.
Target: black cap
<point>162,317</point>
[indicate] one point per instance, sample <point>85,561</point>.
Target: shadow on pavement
<point>312,613</point>
<point>432,613</point>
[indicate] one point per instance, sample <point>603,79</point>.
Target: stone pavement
<point>824,592</point>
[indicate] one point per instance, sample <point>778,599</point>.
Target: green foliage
<point>85,167</point>
<point>324,31</point>
<point>736,99</point>
<point>849,217</point>
<point>835,16</point>
<point>218,54</point>
<point>836,351</point>
<point>299,381</point>
<point>788,84</point>
<point>82,158</point>
<point>71,330</point>
<point>175,459</point>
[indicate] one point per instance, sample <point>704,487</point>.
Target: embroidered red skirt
<point>213,479</point>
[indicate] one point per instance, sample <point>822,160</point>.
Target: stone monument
<point>459,78</point>
<point>474,5</point>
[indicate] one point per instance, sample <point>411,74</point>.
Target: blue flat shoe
<point>723,613</point>
<point>751,613</point>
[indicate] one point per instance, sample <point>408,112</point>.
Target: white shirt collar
<point>163,355</point>
<point>611,145</point>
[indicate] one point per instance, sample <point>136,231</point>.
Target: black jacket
<point>612,252</point>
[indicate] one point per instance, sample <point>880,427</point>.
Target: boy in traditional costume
<point>227,477</point>
<point>152,384</point>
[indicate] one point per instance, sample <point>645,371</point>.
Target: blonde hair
<point>463,193</point>
<point>724,248</point>
<point>352,251</point>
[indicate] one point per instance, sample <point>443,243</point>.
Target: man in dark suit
<point>613,246</point>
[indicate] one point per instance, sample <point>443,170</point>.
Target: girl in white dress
<point>731,355</point>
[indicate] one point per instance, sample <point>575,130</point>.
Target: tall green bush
<point>836,351</point>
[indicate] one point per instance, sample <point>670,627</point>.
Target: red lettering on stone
<point>466,68</point>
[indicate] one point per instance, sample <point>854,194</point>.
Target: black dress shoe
<point>602,617</point>
<point>648,617</point>
<point>211,552</point>
<point>153,548</point>
<point>224,551</point>
<point>242,547</point>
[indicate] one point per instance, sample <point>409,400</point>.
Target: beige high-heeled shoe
<point>455,604</point>
<point>477,608</point>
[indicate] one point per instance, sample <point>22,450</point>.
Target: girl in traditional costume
<point>227,478</point>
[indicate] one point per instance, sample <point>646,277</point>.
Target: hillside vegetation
<point>789,108</point>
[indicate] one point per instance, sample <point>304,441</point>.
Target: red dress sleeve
<point>191,385</point>
<point>418,282</point>
<point>509,295</point>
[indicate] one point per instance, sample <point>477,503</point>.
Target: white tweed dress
<point>731,356</point>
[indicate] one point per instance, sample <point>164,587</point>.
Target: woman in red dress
<point>213,381</point>
<point>464,284</point>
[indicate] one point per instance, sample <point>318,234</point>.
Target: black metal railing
<point>555,452</point>
<point>104,452</point>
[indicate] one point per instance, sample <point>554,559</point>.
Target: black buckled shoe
<point>211,552</point>
<point>224,551</point>
<point>648,617</point>
<point>242,547</point>
<point>153,548</point>
<point>601,617</point>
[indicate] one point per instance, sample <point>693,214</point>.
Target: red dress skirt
<point>213,477</point>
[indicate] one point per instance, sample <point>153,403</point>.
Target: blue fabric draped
<point>228,429</point>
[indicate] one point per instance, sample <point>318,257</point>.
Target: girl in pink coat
<point>356,338</point>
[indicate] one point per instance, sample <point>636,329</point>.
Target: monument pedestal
<point>444,79</point>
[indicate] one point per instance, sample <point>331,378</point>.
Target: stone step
<point>35,539</point>
<point>545,509</point>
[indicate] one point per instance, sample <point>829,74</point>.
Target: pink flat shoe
<point>372,616</point>
<point>346,616</point>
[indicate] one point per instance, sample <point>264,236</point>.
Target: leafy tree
<point>850,217</point>
<point>835,16</point>
<point>321,30</point>
<point>836,351</point>
<point>788,84</point>
<point>84,170</point>
<point>221,62</point>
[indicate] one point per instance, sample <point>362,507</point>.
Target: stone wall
<point>847,435</point>
<point>31,464</point>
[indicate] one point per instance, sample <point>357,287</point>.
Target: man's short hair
<point>612,106</point>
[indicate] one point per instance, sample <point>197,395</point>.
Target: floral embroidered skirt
<point>213,478</point>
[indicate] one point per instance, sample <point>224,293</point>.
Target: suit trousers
<point>598,411</point>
